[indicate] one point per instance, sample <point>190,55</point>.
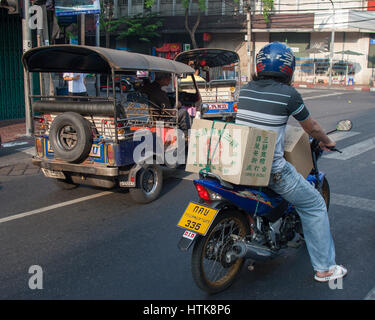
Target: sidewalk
<point>15,162</point>
<point>320,86</point>
<point>12,130</point>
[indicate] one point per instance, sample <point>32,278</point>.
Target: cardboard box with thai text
<point>297,150</point>
<point>238,154</point>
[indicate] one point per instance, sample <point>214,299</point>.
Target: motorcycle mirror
<point>344,125</point>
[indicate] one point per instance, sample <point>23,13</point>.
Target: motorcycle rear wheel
<point>210,271</point>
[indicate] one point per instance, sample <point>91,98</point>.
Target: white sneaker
<point>338,272</point>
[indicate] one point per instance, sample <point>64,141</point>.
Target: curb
<point>348,88</point>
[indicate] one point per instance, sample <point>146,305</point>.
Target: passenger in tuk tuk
<point>197,76</point>
<point>160,97</point>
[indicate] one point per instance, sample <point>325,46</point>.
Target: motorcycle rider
<point>267,102</point>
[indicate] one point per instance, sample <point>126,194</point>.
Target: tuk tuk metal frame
<point>109,62</point>
<point>85,59</point>
<point>214,57</point>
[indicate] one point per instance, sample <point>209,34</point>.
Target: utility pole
<point>43,40</point>
<point>332,45</point>
<point>40,42</point>
<point>115,9</point>
<point>249,42</point>
<point>83,29</point>
<point>97,38</point>
<point>27,45</point>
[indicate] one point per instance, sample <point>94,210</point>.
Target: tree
<point>143,25</point>
<point>191,31</point>
<point>267,8</point>
<point>105,18</point>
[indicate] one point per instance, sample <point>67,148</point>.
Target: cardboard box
<point>238,154</point>
<point>297,150</point>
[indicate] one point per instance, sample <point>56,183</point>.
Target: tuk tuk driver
<point>159,97</point>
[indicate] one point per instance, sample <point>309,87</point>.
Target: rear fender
<point>129,180</point>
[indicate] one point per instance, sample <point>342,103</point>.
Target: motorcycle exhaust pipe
<point>247,250</point>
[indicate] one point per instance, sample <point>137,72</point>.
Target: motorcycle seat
<point>270,192</point>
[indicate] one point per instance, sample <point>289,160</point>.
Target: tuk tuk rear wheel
<point>71,137</point>
<point>149,184</point>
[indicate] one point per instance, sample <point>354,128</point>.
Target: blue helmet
<point>276,60</point>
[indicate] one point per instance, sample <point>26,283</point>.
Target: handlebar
<point>334,149</point>
<point>315,144</point>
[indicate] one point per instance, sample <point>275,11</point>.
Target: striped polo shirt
<point>267,104</point>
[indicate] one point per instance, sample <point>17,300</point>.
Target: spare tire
<point>71,137</point>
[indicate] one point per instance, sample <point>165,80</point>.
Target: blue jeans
<point>312,210</point>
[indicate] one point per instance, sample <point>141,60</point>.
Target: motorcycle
<point>232,223</point>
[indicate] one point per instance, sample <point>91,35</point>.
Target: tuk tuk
<point>118,139</point>
<point>217,75</point>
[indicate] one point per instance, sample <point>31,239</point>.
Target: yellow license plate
<point>94,152</point>
<point>197,218</point>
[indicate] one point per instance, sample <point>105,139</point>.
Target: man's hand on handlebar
<point>327,146</point>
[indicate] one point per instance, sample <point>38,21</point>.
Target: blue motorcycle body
<point>252,200</point>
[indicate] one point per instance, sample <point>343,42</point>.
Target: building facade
<point>307,26</point>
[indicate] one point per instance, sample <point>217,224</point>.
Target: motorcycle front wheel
<point>211,271</point>
<point>326,194</point>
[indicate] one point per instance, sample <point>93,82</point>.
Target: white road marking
<point>353,150</point>
<point>371,295</point>
<point>353,202</point>
<point>55,206</point>
<point>341,135</point>
<point>325,95</point>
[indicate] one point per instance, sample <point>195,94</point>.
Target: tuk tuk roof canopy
<point>87,59</point>
<point>210,57</point>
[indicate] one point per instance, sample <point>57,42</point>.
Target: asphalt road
<point>104,246</point>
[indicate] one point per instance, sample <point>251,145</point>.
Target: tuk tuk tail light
<point>39,147</point>
<point>120,128</point>
<point>235,107</point>
<point>111,155</point>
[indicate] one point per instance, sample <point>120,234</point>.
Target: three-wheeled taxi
<point>217,74</point>
<point>109,140</point>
